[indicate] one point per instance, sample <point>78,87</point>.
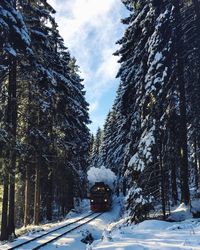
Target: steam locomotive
<point>100,197</point>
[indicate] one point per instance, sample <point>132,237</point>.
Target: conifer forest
<point>150,138</point>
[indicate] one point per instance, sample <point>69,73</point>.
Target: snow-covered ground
<point>153,235</point>
<point>72,241</point>
<point>112,233</point>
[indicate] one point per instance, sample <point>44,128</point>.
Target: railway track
<point>53,235</point>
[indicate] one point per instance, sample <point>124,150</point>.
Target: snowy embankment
<point>153,234</point>
<point>110,233</point>
<point>72,241</point>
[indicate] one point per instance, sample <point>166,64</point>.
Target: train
<point>100,197</point>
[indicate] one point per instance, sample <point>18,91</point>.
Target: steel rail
<point>49,232</point>
<point>61,235</point>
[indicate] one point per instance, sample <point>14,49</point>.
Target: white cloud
<point>97,121</point>
<point>94,106</point>
<point>90,29</point>
<point>109,66</point>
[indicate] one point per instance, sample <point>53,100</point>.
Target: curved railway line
<point>49,237</point>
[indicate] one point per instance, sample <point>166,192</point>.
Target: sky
<point>90,29</point>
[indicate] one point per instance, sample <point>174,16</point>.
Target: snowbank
<point>181,213</point>
<point>149,224</point>
<point>101,174</point>
<point>72,241</point>
<point>152,235</point>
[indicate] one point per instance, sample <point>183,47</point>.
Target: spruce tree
<point>12,48</point>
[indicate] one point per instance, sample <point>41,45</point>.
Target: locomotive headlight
<point>92,200</point>
<point>105,200</point>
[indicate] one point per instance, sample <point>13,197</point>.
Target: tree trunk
<point>11,216</point>
<point>64,197</point>
<point>173,159</point>
<point>70,193</point>
<point>185,195</point>
<point>49,196</point>
<point>9,211</point>
<point>4,232</point>
<point>27,204</point>
<point>198,156</point>
<point>197,12</point>
<point>196,145</point>
<point>36,216</point>
<point>174,183</point>
<point>196,172</point>
<point>12,121</point>
<point>162,185</point>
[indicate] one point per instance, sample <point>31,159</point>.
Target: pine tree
<point>185,195</point>
<point>95,155</point>
<point>11,49</point>
<point>52,156</point>
<point>151,140</point>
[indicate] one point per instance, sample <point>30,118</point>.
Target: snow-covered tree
<point>151,139</point>
<point>50,130</point>
<point>15,43</point>
<point>95,154</point>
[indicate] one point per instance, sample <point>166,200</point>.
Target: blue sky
<point>90,29</point>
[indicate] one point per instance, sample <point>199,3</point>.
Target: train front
<point>100,197</point>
